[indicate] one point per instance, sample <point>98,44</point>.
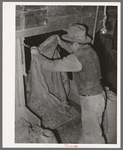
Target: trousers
<point>92,109</point>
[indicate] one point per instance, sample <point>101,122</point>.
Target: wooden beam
<point>54,24</point>
<point>37,31</point>
<point>19,84</point>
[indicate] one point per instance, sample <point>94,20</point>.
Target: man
<point>83,62</point>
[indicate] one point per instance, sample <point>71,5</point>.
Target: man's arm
<point>67,64</point>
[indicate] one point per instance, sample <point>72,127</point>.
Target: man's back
<point>88,79</point>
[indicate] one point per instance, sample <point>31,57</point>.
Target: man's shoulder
<point>85,52</point>
<point>87,47</point>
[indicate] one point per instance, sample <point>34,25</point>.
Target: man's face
<point>74,46</point>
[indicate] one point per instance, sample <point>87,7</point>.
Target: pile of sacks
<point>26,133</point>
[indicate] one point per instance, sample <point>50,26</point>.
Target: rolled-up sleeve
<point>67,64</point>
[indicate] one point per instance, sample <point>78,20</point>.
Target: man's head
<point>76,36</point>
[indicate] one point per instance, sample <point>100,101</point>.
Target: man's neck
<point>81,46</point>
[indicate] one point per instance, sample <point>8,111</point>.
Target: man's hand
<point>58,39</point>
<point>49,40</point>
<point>34,51</point>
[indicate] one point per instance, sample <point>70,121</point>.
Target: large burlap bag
<point>110,117</point>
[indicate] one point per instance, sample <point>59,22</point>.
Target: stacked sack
<point>110,117</point>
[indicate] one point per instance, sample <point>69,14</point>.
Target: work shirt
<point>88,79</point>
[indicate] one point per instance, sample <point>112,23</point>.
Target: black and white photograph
<point>66,73</point>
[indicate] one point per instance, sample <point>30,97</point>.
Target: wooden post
<point>23,56</point>
<point>20,108</point>
<point>95,24</point>
<point>19,84</point>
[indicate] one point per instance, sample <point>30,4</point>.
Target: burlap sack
<point>25,133</point>
<point>110,117</point>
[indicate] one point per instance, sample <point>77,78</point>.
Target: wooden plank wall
<point>34,20</point>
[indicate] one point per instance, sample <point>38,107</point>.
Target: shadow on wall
<point>108,68</point>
